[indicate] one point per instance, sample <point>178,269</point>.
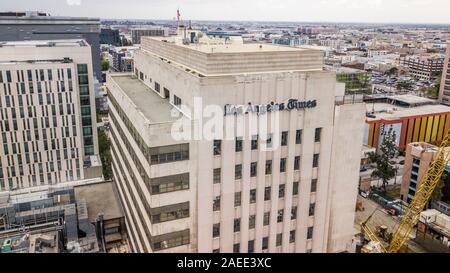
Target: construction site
<point>414,223</point>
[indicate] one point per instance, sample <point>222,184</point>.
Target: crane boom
<point>422,196</point>
<point>426,188</point>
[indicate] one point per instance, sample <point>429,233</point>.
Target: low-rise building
<point>412,118</point>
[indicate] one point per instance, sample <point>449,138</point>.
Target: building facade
<point>444,92</point>
<point>412,119</point>
<point>232,194</point>
<point>426,68</point>
<point>110,36</point>
<point>137,33</point>
<point>47,114</point>
<point>28,26</point>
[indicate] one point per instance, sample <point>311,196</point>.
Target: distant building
<point>27,26</point>
<point>137,33</point>
<point>413,119</point>
<point>121,58</point>
<point>110,36</point>
<point>444,92</point>
<point>50,137</point>
<point>423,67</point>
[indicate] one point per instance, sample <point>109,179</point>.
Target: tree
<point>105,65</point>
<point>404,85</point>
<point>392,71</point>
<point>105,154</point>
<point>385,166</point>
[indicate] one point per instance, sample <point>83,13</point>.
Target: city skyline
<point>340,11</point>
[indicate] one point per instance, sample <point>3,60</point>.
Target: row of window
<point>217,148</point>
<point>267,194</point>
<point>39,74</point>
<point>265,241</point>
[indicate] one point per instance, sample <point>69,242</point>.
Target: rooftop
<point>153,107</point>
<point>45,43</point>
<point>388,111</point>
<point>210,56</point>
<point>100,198</point>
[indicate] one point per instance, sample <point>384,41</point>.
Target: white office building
<point>47,114</point>
<point>291,189</point>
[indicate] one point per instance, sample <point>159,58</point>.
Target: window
<point>238,144</point>
<point>251,221</point>
<point>284,138</point>
<point>292,236</point>
<point>295,188</point>
<point>293,213</point>
<point>254,142</point>
<point>266,219</point>
<point>298,137</point>
<point>317,134</point>
<point>314,185</point>
<point>253,169</point>
<point>238,171</point>
<point>251,246</point>
<point>216,230</point>
<point>283,165</point>
<point>157,87</point>
<point>280,216</point>
<point>297,163</point>
<point>169,213</point>
<point>216,203</point>
<point>82,68</point>
<point>316,160</point>
<point>311,209</point>
<point>309,234</point>
<point>170,240</point>
<point>252,196</point>
<point>216,178</point>
<point>237,225</point>
<point>268,166</point>
<point>236,248</point>
<point>267,193</point>
<point>176,100</point>
<point>265,243</point>
<point>269,141</point>
<point>279,239</point>
<point>217,147</point>
<point>237,199</point>
<point>171,153</point>
<point>281,190</point>
<point>169,183</point>
<point>82,79</point>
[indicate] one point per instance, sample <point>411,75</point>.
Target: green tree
<point>105,154</point>
<point>404,85</point>
<point>392,71</point>
<point>385,166</point>
<point>105,65</point>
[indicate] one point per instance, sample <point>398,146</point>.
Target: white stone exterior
<point>174,67</point>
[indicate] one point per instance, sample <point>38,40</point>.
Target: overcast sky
<point>388,11</point>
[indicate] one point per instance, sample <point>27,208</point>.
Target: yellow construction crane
<point>426,187</point>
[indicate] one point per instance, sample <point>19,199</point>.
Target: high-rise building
<point>287,189</point>
<point>28,26</point>
<point>47,114</point>
<point>110,36</point>
<point>423,67</point>
<point>137,33</point>
<point>444,92</point>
